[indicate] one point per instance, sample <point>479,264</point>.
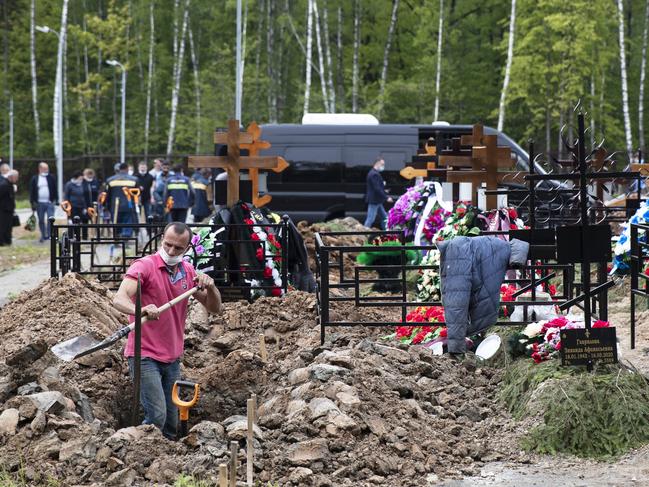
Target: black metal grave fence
<point>351,286</point>
<point>639,262</point>
<point>105,251</point>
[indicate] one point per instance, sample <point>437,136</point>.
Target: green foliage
<point>190,481</point>
<point>381,257</point>
<point>596,415</point>
<point>560,47</point>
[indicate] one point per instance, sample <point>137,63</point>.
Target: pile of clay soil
<point>354,411</point>
<point>347,224</point>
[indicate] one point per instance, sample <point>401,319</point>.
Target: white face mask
<point>169,259</point>
<point>380,168</point>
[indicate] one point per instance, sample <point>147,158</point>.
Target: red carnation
<point>248,221</point>
<point>444,332</point>
<point>276,291</point>
<point>419,337</point>
<point>513,214</point>
<point>460,210</point>
<point>260,254</point>
<point>254,236</point>
<point>600,324</point>
<point>268,273</point>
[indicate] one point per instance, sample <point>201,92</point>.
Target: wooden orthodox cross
<point>233,162</point>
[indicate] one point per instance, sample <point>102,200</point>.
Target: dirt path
<point>22,279</point>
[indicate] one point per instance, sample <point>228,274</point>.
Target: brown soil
<point>355,411</point>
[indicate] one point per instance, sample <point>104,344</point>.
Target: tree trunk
<point>58,101</point>
<point>643,65</point>
<point>548,142</point>
<point>357,44</point>
<point>623,73</point>
<point>592,110</point>
<point>309,47</point>
<point>270,55</point>
<point>176,87</point>
<point>197,90</point>
<point>323,73</point>
<point>339,57</point>
<point>327,45</point>
<point>438,74</point>
<point>149,82</point>
<point>32,56</point>
<point>260,28</point>
<point>508,67</point>
<point>560,141</point>
<point>386,55</point>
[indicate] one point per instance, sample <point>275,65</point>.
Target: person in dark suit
<point>375,195</point>
<point>43,195</point>
<point>7,205</point>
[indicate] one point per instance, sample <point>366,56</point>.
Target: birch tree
<point>270,62</point>
<point>386,55</point>
<point>149,81</point>
<point>57,129</point>
<point>197,88</point>
<point>309,47</point>
<point>339,59</point>
<point>643,65</point>
<point>357,44</point>
<point>178,75</point>
<point>508,67</point>
<point>327,48</point>
<point>438,73</point>
<point>323,74</point>
<point>625,92</point>
<point>32,56</point>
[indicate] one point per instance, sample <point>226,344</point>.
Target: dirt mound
<point>355,411</point>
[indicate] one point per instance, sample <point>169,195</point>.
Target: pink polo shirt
<point>163,339</point>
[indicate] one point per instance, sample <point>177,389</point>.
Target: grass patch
<point>602,414</point>
<point>21,204</point>
<point>17,255</point>
<point>191,481</point>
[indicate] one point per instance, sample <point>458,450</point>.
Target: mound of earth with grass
<point>354,411</point>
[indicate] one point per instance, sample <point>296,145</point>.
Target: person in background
<point>131,172</point>
<point>7,205</point>
<point>145,182</point>
<point>43,195</point>
<point>119,201</point>
<point>78,194</point>
<point>375,195</point>
<point>92,183</point>
<point>179,188</point>
<point>157,168</point>
<point>4,169</point>
<point>158,192</point>
<point>200,185</point>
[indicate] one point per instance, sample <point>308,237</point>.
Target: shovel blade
<point>70,349</point>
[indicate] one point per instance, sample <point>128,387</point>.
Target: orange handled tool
<point>135,194</point>
<point>102,198</point>
<point>92,214</point>
<point>169,205</point>
<point>67,207</point>
<point>184,406</point>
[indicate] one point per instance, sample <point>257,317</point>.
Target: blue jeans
<point>44,212</point>
<point>156,381</point>
<point>126,217</point>
<point>372,211</point>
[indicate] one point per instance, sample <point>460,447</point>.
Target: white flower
<point>256,229</point>
<point>275,273</point>
<point>533,329</point>
<point>262,235</point>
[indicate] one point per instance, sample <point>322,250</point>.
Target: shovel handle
<point>164,307</point>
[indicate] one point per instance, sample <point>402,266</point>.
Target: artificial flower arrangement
<point>460,223</point>
<point>202,244</point>
<point>429,283</point>
<point>507,292</point>
<point>426,331</point>
<point>268,251</point>
<point>406,213</point>
<point>387,258</point>
<point>542,340</point>
<point>622,249</point>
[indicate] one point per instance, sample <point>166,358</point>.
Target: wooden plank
<point>410,172</point>
<point>222,137</point>
<point>643,169</point>
<point>245,162</point>
<point>502,155</point>
<point>455,161</point>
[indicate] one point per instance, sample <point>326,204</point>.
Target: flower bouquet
<point>542,340</point>
<point>425,332</point>
<point>201,248</point>
<point>406,213</point>
<point>429,283</point>
<point>460,223</point>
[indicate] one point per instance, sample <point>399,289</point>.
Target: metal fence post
<point>636,266</point>
<point>285,253</point>
<point>54,234</point>
<point>324,292</point>
<point>76,244</point>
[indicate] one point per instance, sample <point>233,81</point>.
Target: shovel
<point>80,346</point>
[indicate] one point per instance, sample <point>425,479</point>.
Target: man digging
<point>163,276</point>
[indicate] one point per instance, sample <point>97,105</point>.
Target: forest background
<point>521,64</point>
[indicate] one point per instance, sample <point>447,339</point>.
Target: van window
<point>315,165</point>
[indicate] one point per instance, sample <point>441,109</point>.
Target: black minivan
<point>329,163</point>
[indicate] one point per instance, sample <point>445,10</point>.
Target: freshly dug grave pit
<point>356,411</point>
